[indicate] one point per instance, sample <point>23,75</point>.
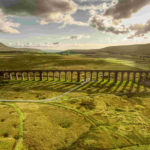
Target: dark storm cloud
<point>36,7</point>
<point>18,6</point>
<point>58,11</point>
<point>48,6</point>
<point>125,8</point>
<point>8,3</point>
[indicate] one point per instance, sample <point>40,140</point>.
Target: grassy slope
<point>125,49</point>
<point>12,59</point>
<point>51,127</point>
<point>6,49</point>
<point>98,116</point>
<point>121,122</point>
<point>55,61</point>
<point>113,121</point>
<point>35,90</point>
<point>9,127</point>
<point>130,52</point>
<point>117,116</point>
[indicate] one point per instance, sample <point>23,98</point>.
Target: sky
<point>74,24</point>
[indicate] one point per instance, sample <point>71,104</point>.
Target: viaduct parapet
<point>77,75</point>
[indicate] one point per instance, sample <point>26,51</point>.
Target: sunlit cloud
<point>52,24</point>
<point>122,20</point>
<point>49,11</point>
<point>6,25</point>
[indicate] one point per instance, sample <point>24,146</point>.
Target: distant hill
<point>115,51</point>
<point>5,49</point>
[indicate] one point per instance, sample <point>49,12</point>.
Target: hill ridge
<point>5,48</point>
<point>136,49</point>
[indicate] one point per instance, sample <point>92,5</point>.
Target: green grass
<point>19,144</point>
<point>122,122</point>
<point>11,133</point>
<point>51,126</point>
<point>33,89</point>
<point>137,54</point>
<point>98,115</point>
<point>38,90</point>
<point>86,118</point>
<point>55,61</point>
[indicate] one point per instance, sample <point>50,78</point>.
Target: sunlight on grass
<point>98,115</point>
<point>119,61</point>
<point>125,62</point>
<point>51,126</point>
<point>10,128</point>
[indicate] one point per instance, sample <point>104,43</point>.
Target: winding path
<point>47,100</point>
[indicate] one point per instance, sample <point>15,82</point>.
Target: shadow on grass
<point>124,86</point>
<point>102,85</point>
<point>138,87</point>
<point>117,87</point>
<point>36,85</point>
<point>121,88</point>
<point>109,87</point>
<point>131,87</point>
<point>62,86</point>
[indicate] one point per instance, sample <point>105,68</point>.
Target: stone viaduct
<point>77,75</point>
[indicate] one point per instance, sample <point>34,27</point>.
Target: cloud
<point>106,24</point>
<point>37,7</point>
<point>54,10</point>
<point>75,37</point>
<point>7,26</point>
<point>126,8</point>
<point>96,5</point>
<point>68,20</point>
<point>56,43</point>
<point>113,19</point>
<point>58,11</point>
<point>140,29</point>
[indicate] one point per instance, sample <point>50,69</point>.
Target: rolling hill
<point>6,49</point>
<point>142,50</point>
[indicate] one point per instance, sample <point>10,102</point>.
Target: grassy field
<point>56,61</point>
<point>98,116</point>
<point>138,53</point>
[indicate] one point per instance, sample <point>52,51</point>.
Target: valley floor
<point>97,116</point>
